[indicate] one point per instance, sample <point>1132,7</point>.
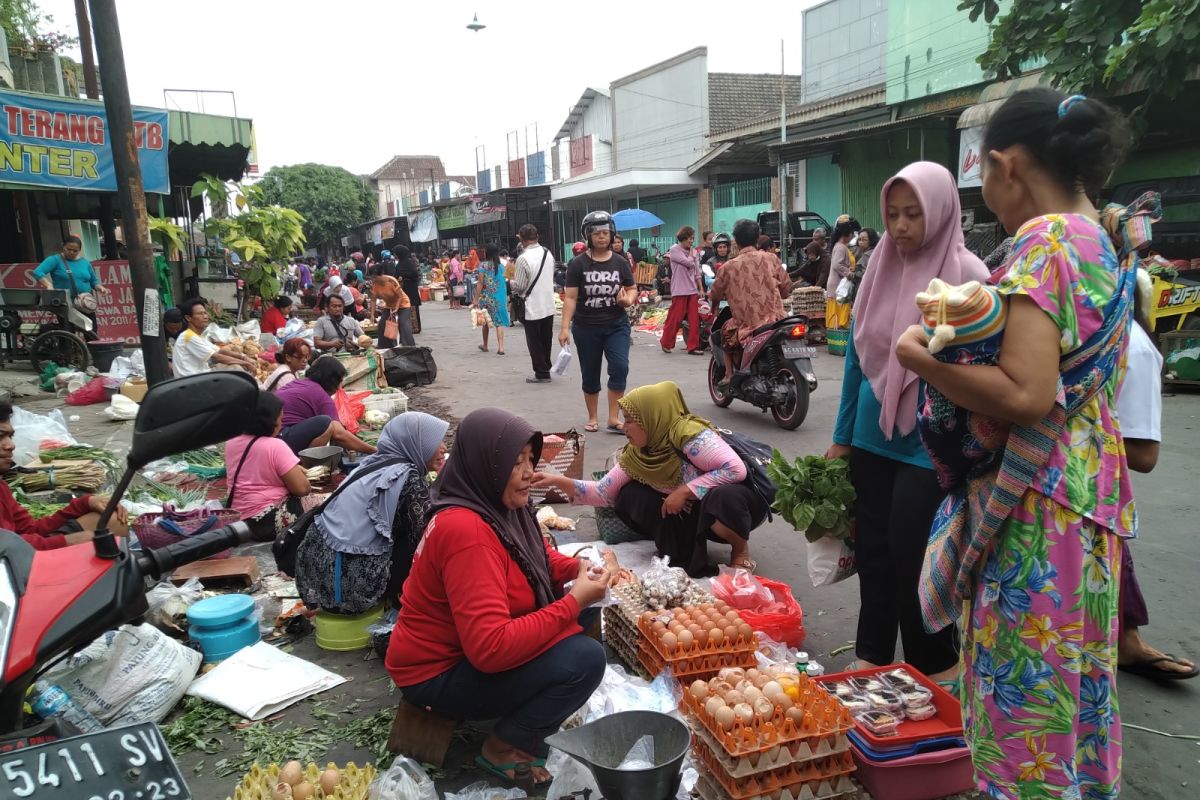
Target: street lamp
<point>476,25</point>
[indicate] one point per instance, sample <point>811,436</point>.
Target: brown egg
<point>752,673</point>
<point>796,715</point>
<point>699,689</point>
<point>722,606</point>
<point>669,641</point>
<point>675,627</point>
<point>746,631</point>
<point>725,717</point>
<point>716,637</point>
<point>282,791</point>
<point>292,773</point>
<point>743,713</point>
<point>686,640</point>
<point>694,628</point>
<point>658,628</point>
<point>647,617</point>
<point>702,637</point>
<point>731,633</point>
<point>329,781</point>
<point>303,791</point>
<point>761,681</point>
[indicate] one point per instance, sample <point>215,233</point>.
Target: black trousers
<point>895,507</point>
<point>539,334</point>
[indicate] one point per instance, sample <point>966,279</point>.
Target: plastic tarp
<point>422,226</point>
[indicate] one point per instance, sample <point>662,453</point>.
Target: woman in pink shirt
<point>265,477</point>
<point>456,280</point>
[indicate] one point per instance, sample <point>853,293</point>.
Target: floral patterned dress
<point>493,293</point>
<point>1040,635</point>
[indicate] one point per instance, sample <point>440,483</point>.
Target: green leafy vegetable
<point>814,494</point>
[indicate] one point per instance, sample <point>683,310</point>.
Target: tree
<point>331,199</point>
<point>1090,44</point>
<point>24,24</point>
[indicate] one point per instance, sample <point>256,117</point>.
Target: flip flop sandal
<point>592,427</point>
<point>499,352</point>
<point>617,429</point>
<point>501,770</point>
<point>1149,669</point>
<point>481,347</point>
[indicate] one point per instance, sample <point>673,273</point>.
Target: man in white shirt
<point>194,353</point>
<point>534,280</point>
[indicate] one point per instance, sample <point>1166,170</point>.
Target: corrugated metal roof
<point>735,98</point>
<point>581,105</point>
<point>854,101</point>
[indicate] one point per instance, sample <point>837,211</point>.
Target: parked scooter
<point>55,602</point>
<point>775,372</point>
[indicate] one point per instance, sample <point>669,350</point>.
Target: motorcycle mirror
<point>191,412</point>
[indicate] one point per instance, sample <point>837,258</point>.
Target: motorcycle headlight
<point>8,611</point>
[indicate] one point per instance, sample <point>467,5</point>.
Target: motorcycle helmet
<point>578,248</point>
<point>597,220</point>
<point>385,254</point>
<point>721,238</point>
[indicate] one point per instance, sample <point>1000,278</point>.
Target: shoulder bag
<point>83,301</point>
<point>755,455</point>
<point>519,298</point>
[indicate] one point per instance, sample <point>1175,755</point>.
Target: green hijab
<point>661,411</point>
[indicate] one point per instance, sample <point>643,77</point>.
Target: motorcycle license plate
<point>127,763</point>
<point>797,350</point>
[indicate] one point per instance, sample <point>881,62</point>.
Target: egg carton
<point>842,787</point>
<point>688,670</point>
<point>697,657</point>
<point>629,657</point>
<point>259,781</point>
<point>777,757</point>
<point>826,770</point>
<point>823,716</point>
<point>617,631</point>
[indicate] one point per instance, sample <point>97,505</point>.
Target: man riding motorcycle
<point>754,284</point>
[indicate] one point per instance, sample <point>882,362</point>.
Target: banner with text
<point>970,164</point>
<point>484,210</point>
<point>450,217</point>
<point>116,317</point>
<point>61,143</point>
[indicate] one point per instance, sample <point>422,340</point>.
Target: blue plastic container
<point>223,625</point>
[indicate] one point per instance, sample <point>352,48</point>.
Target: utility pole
<point>785,239</point>
<point>130,193</point>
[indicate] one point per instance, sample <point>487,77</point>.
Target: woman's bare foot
<point>1133,649</point>
<point>497,751</point>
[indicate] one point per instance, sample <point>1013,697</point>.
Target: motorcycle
<point>55,602</point>
<point>775,372</point>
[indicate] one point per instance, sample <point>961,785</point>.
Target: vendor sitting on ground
<point>266,480</point>
<point>276,317</point>
<point>310,418</point>
<point>194,353</point>
<point>336,330</point>
<point>485,629</point>
<point>292,359</point>
<point>70,525</point>
<point>352,560</point>
<point>173,325</point>
<point>676,481</point>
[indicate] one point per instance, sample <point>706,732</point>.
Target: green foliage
<point>24,24</point>
<point>168,234</point>
<point>814,494</point>
<point>1089,44</point>
<point>331,199</point>
<point>263,235</point>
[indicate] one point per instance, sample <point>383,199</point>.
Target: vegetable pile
<point>814,494</point>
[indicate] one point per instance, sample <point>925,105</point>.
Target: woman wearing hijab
<point>676,480</point>
<point>410,278</point>
<point>485,629</point>
<point>351,560</point>
<point>893,477</point>
<point>471,275</point>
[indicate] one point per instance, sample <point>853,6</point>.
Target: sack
<point>755,455</point>
<point>562,362</point>
<point>845,290</point>
<point>766,605</point>
<point>409,366</point>
<point>831,560</point>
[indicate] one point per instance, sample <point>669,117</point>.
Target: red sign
<point>516,172</point>
<point>117,315</point>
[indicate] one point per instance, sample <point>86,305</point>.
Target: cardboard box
<point>135,389</point>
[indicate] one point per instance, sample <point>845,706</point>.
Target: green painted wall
<point>1173,163</point>
<point>674,210</point>
<point>868,163</point>
<point>823,187</point>
<point>724,218</point>
<point>739,200</point>
<point>932,48</point>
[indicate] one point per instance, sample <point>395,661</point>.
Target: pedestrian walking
<point>533,285</point>
<point>599,288</point>
<point>686,288</point>
<point>493,297</point>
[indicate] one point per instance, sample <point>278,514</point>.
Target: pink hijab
<point>886,303</point>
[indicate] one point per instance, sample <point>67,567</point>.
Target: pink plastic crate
<point>925,776</point>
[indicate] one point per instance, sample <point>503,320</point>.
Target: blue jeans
<point>530,702</point>
<point>611,341</point>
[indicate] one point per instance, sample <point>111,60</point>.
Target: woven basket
<point>611,527</point>
<point>837,338</point>
<point>151,535</point>
<point>564,458</point>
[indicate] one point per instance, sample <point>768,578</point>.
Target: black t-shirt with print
<point>598,283</point>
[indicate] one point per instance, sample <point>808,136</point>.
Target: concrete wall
<point>662,113</point>
<point>932,47</point>
<point>844,46</point>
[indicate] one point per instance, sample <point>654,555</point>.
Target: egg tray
<point>695,658</point>
<point>691,669</point>
<point>812,773</point>
<point>844,787</point>
<point>823,716</point>
<point>777,757</point>
<point>258,783</point>
<point>628,656</point>
<point>617,631</point>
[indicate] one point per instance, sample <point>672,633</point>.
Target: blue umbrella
<point>633,218</point>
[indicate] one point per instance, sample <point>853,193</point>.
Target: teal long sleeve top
<point>858,418</point>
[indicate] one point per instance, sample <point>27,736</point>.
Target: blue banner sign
<point>61,143</point>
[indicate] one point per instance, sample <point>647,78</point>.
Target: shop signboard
<point>516,172</point>
<point>60,143</point>
<point>535,172</point>
<point>483,210</point>
<point>449,217</point>
<point>116,316</point>
<point>970,163</point>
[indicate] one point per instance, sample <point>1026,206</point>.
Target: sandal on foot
<point>592,427</point>
<point>501,770</point>
<point>1149,668</point>
<point>615,429</point>
<point>499,352</point>
<point>482,347</point>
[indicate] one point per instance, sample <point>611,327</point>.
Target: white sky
<point>354,82</point>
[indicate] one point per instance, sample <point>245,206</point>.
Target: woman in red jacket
<point>485,629</point>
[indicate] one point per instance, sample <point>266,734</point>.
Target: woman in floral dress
<point>1038,585</point>
<point>493,297</point>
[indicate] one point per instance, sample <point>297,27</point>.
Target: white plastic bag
<point>830,561</point>
<point>405,779</point>
<point>121,407</point>
<point>32,429</point>
<point>250,329</point>
<point>133,674</point>
<point>845,289</point>
<point>562,362</point>
<point>484,791</point>
<point>294,327</point>
<point>168,602</point>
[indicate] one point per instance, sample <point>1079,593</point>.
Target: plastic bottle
<point>50,700</point>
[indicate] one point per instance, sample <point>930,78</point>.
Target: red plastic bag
<point>91,392</point>
<point>350,408</point>
<point>764,604</point>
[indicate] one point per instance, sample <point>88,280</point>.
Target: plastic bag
<point>168,602</point>
<point>484,791</point>
<point>49,371</point>
<point>92,392</point>
<point>765,605</point>
<point>350,408</point>
<point>562,362</point>
<point>34,429</point>
<point>121,407</point>
<point>294,327</point>
<point>480,317</point>
<point>640,756</point>
<point>845,290</point>
<point>830,561</point>
<point>664,586</point>
<point>405,779</point>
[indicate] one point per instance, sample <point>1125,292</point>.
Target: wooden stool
<point>420,734</point>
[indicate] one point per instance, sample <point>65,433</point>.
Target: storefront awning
<point>994,94</point>
<point>209,143</point>
<point>625,183</point>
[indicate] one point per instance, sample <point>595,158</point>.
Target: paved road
<point>1168,555</point>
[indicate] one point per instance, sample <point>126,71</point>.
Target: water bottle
<point>51,701</point>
